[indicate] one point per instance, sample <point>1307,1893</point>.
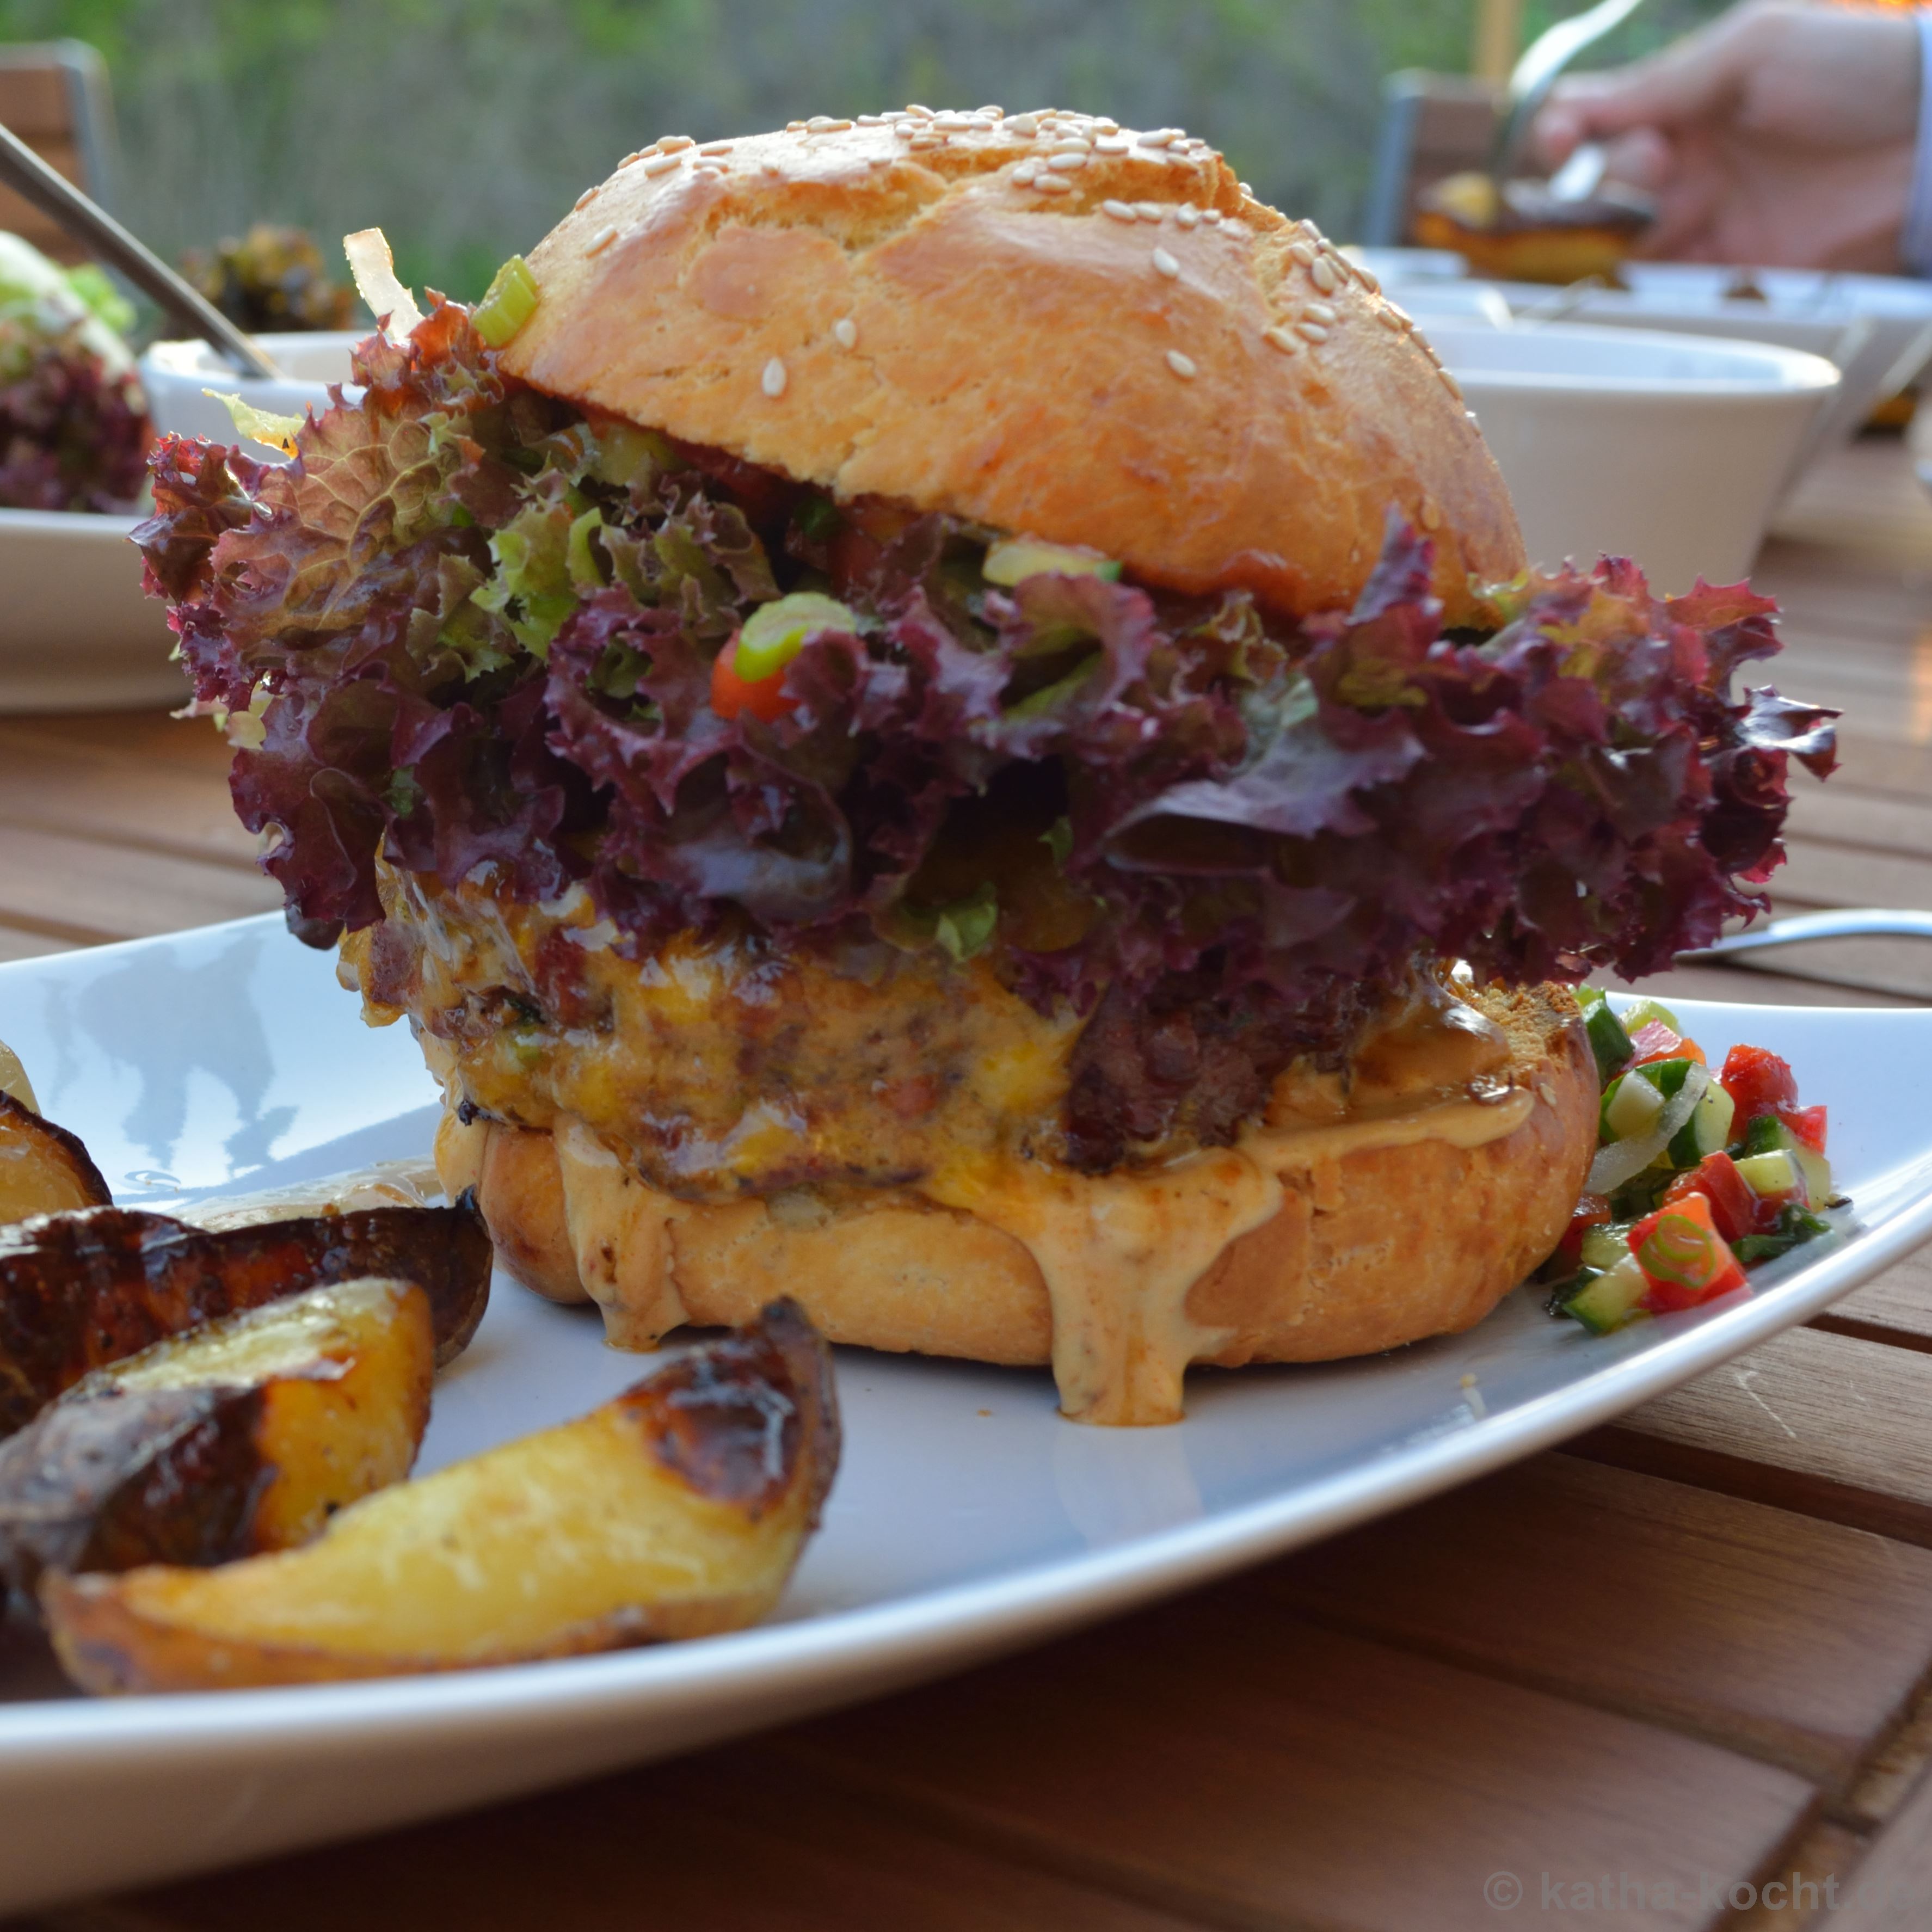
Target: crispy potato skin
<point>241,1436</point>
<point>677,1509</point>
<point>79,1291</point>
<point>44,1168</point>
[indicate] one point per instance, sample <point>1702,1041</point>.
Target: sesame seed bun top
<point>1043,322</point>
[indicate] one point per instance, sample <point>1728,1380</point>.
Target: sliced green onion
<point>1013,559</point>
<point>775,633</point>
<point>510,301</point>
<point>964,927</point>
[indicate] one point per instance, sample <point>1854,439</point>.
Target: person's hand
<point>1782,134</point>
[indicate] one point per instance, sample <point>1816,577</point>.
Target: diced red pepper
<point>767,699</point>
<point>1683,1257</point>
<point>1592,1210</point>
<point>1735,1209</point>
<point>1807,1123</point>
<point>1758,1082</point>
<point>1655,1041</point>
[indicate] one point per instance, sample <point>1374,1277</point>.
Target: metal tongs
<point>1536,73</point>
<point>24,171</point>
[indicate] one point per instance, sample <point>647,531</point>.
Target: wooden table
<point>1651,1679</point>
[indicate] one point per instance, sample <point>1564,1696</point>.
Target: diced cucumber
<point>1630,1105</point>
<point>1013,559</point>
<point>1610,1299</point>
<point>1641,1012</point>
<point>1768,1135</point>
<point>1606,1245</point>
<point>1708,1130</point>
<point>1773,1175</point>
<point>1608,1039</point>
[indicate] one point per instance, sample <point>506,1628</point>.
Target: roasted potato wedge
<point>243,1436</point>
<point>675,1510</point>
<point>44,1168</point>
<point>79,1291</point>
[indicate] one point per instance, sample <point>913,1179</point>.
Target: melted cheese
<point>1120,1254</point>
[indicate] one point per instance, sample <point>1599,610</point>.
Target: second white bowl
<point>178,375</point>
<point>1668,448</point>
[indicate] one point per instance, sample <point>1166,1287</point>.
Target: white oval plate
<point>967,1520</point>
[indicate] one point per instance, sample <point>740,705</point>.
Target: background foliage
<point>465,127</point>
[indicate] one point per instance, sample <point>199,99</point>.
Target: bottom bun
<point>1345,1239</point>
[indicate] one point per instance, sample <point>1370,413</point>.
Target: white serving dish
<point>76,633</point>
<point>1877,328</point>
<point>967,1520</point>
<point>1671,449</point>
<point>178,375</point>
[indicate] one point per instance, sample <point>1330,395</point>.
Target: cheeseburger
<point>944,715</point>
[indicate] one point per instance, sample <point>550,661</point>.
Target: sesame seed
<point>714,169</point>
<point>1065,163</point>
<point>1246,190</point>
<point>1113,144</point>
<point>673,144</point>
<point>1301,252</point>
<point>1025,175</point>
<point>1119,210</point>
<point>1280,339</point>
<point>1323,275</point>
<point>1026,126</point>
<point>923,144</point>
<point>1159,138</point>
<point>1450,383</point>
<point>662,164</point>
<point>914,107</point>
<point>600,241</point>
<point>1318,312</point>
<point>1392,317</point>
<point>1182,365</point>
<point>1311,332</point>
<point>1164,264</point>
<point>1187,215</point>
<point>874,120</point>
<point>1107,125</point>
<point>1314,234</point>
<point>994,111</point>
<point>629,158</point>
<point>1074,144</point>
<point>715,148</point>
<point>794,126</point>
<point>1365,278</point>
<point>845,332</point>
<point>1212,216</point>
<point>773,380</point>
<point>584,200</point>
<point>878,161</point>
<point>1053,184</point>
<point>1150,211</point>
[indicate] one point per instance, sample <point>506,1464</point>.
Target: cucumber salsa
<point>1698,1177</point>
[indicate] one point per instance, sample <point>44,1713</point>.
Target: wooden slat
<point>154,806</point>
<point>1896,1308</point>
<point>1227,1759</point>
<point>740,1839</point>
<point>74,888</point>
<point>35,101</point>
<point>1827,1425</point>
<point>121,738</point>
<point>1799,1641</point>
<point>1891,1890</point>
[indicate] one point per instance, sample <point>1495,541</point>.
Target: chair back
<point>1433,124</point>
<point>54,95</point>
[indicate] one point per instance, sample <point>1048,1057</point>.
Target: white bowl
<point>178,375</point>
<point>1668,448</point>
<point>76,632</point>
